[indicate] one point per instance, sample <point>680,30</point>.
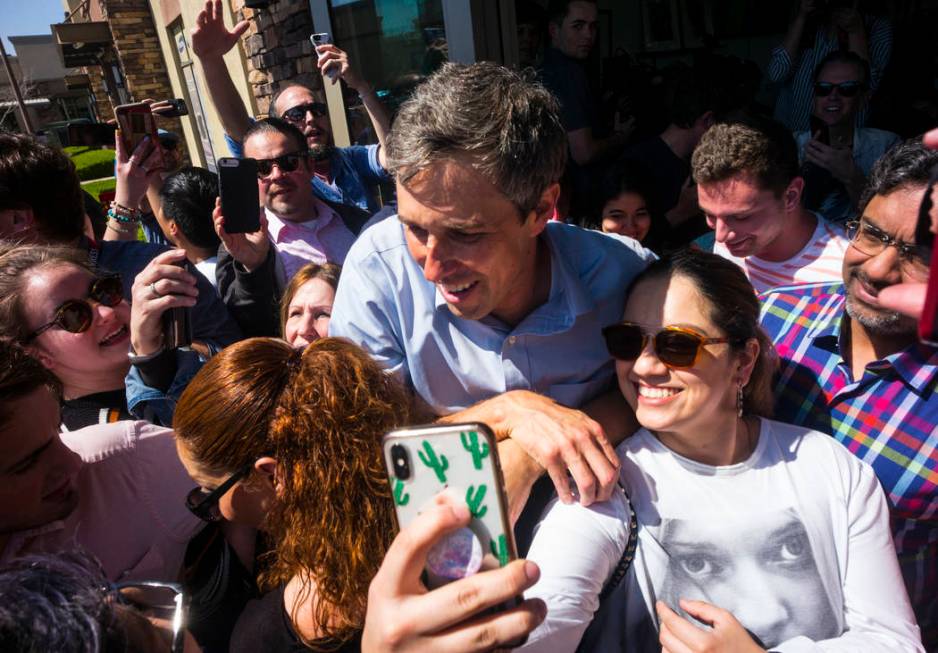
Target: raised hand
<point>211,38</point>
<point>250,250</point>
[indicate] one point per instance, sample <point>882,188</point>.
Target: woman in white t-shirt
<point>752,535</point>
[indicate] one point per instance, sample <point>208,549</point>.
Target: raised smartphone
<point>136,123</point>
<point>461,459</point>
<point>177,323</point>
<point>240,199</point>
<point>177,107</point>
<point>323,38</point>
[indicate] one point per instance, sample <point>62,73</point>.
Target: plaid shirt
<point>889,419</point>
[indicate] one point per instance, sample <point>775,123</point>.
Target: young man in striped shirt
<point>855,369</point>
<point>749,188</point>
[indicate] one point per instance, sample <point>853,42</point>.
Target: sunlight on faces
<point>749,220</point>
<point>246,502</point>
<point>471,242</point>
<point>864,275</point>
<point>38,473</point>
<point>318,131</point>
<point>627,215</point>
<point>309,313</point>
<point>576,36</point>
<point>280,191</point>
<point>100,352</point>
<point>679,401</point>
<point>835,107</point>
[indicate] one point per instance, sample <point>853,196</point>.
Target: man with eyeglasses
<point>115,490</point>
<point>855,369</point>
<point>836,155</point>
<point>342,175</point>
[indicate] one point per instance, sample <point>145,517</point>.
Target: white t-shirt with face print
<point>794,542</point>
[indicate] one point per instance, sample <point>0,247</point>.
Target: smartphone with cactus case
<point>461,459</point>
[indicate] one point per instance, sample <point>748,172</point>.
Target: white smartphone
<point>461,459</point>
<point>323,38</point>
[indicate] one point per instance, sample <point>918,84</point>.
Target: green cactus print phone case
<point>462,459</point>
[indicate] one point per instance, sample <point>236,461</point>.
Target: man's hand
<point>836,160</point>
<point>161,285</point>
<point>211,38</point>
<point>334,62</point>
<point>678,635</point>
<point>250,250</point>
<point>560,439</point>
<point>848,19</point>
<point>403,616</point>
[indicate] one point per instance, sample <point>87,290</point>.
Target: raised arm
<point>210,41</point>
<point>783,58</point>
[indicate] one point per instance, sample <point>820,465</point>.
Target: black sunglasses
<point>846,89</point>
<point>204,505</point>
<point>76,315</point>
<point>297,113</point>
<point>286,163</point>
<point>674,346</point>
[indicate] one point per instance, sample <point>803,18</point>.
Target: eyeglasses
<point>157,599</point>
<point>674,346</point>
<point>913,259</point>
<point>845,89</point>
<point>298,113</point>
<point>76,315</point>
<point>204,505</point>
<point>286,163</point>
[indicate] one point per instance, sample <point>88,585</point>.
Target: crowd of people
<point>716,424</point>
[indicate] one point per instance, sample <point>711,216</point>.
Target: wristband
<point>136,360</point>
<point>116,226</point>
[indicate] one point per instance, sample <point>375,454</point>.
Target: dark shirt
<point>97,408</point>
<point>265,626</point>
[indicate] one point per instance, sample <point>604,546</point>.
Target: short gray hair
<point>507,124</point>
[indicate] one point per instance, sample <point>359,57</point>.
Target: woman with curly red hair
<point>288,442</point>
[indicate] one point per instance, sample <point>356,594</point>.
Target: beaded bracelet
<point>124,218</point>
<point>118,228</point>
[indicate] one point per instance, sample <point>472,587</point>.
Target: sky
<point>26,17</point>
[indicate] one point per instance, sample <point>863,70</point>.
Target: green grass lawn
<point>95,187</point>
<point>91,163</point>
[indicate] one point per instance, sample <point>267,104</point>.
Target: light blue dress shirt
<point>385,304</point>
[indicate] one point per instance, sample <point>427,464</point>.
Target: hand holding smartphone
<point>136,123</point>
<point>323,38</point>
<point>461,459</point>
<point>177,322</point>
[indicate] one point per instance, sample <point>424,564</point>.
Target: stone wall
<point>277,48</point>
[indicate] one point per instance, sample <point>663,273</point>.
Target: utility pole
<point>16,89</point>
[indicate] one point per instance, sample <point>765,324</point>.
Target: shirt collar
<point>324,217</point>
<point>916,365</point>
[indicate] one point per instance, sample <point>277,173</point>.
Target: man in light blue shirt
<point>487,312</point>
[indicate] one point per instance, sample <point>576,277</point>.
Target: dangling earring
<point>739,400</point>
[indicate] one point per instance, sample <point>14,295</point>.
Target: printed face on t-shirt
<point>760,568</point>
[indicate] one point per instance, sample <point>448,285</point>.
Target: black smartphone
<point>820,131</point>
<point>177,108</point>
<point>177,322</point>
<point>240,199</point>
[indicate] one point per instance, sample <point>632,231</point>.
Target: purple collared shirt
<point>324,239</point>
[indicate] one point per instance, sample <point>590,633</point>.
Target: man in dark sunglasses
<point>837,155</point>
<point>853,367</point>
<point>343,175</point>
<point>115,490</point>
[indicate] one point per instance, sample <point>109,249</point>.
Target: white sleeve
<point>877,613</point>
<point>577,549</point>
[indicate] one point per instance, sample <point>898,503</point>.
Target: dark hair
<point>188,198</point>
<point>505,122</point>
<point>631,177</point>
<point>761,148</point>
<point>557,10</point>
<point>845,56</point>
<point>278,126</point>
<point>20,375</point>
<point>57,603</point>
<point>328,272</point>
<point>692,95</point>
<point>907,165</point>
<point>733,308</point>
<point>38,177</point>
<point>16,261</point>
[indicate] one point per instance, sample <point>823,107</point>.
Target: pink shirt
<point>131,510</point>
<point>323,239</point>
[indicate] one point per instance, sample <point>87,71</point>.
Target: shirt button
<point>511,340</point>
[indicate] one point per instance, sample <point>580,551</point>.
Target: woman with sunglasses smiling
<point>753,535</point>
<point>287,442</point>
<point>76,322</point>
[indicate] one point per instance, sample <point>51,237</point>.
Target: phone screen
<point>240,199</point>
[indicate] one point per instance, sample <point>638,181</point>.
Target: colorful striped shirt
<point>888,418</point>
<point>819,261</point>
